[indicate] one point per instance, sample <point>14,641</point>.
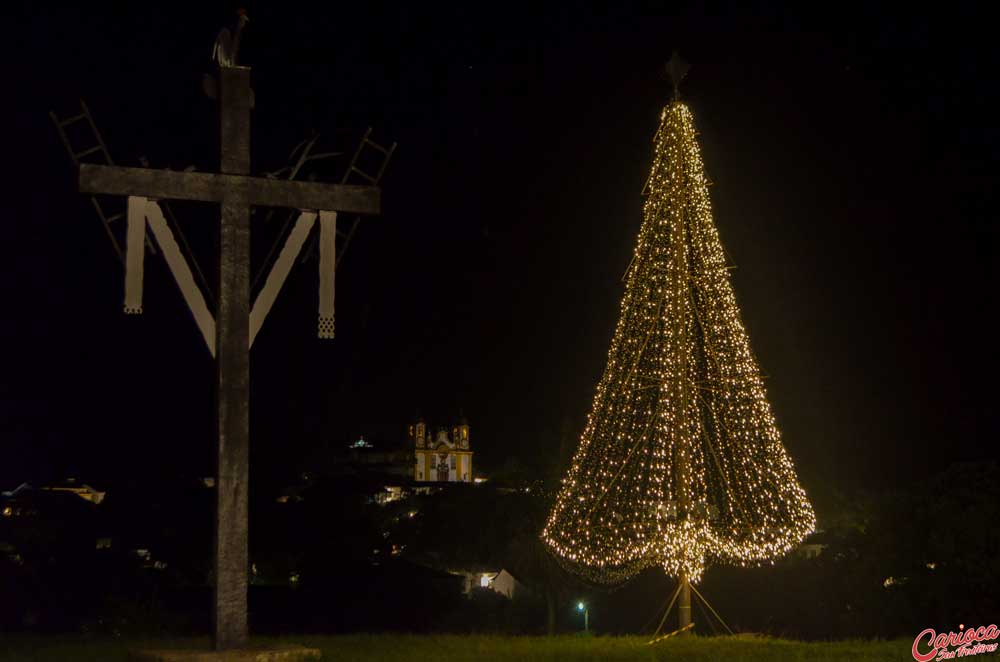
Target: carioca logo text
<point>966,640</point>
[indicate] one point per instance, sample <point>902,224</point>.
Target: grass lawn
<point>418,648</point>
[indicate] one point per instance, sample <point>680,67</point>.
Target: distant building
<point>499,581</point>
<point>813,545</point>
<point>390,461</point>
<point>385,458</point>
<point>85,492</point>
<point>70,517</point>
<point>441,457</point>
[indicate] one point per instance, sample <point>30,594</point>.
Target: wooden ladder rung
<point>385,162</point>
<point>377,146</point>
<point>75,118</point>
<point>363,174</point>
<point>87,152</point>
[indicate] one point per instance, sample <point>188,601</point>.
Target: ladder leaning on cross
<point>210,187</point>
<point>231,331</point>
<point>166,229</point>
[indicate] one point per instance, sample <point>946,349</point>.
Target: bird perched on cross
<point>225,53</point>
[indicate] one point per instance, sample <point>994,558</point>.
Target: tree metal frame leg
<point>681,584</point>
<point>666,612</point>
<point>711,609</point>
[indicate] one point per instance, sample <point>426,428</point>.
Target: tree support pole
<point>684,603</point>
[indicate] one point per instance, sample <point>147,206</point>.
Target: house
<point>813,545</point>
<point>84,491</point>
<point>499,581</point>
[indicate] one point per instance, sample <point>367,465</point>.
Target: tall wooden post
<point>232,340</point>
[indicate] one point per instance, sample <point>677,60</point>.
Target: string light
<point>680,462</point>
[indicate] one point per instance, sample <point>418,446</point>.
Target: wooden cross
<point>237,192</point>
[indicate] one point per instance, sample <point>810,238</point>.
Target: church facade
<point>441,457</point>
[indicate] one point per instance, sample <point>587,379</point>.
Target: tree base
<point>686,625</point>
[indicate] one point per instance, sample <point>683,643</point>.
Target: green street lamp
<point>580,606</point>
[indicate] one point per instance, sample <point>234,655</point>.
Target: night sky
<point>854,157</point>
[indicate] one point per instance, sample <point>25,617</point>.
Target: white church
<point>441,457</point>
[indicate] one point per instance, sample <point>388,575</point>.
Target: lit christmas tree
<point>680,462</point>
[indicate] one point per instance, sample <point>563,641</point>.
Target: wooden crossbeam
<point>214,187</point>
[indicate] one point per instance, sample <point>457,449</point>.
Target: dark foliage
<point>336,561</point>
